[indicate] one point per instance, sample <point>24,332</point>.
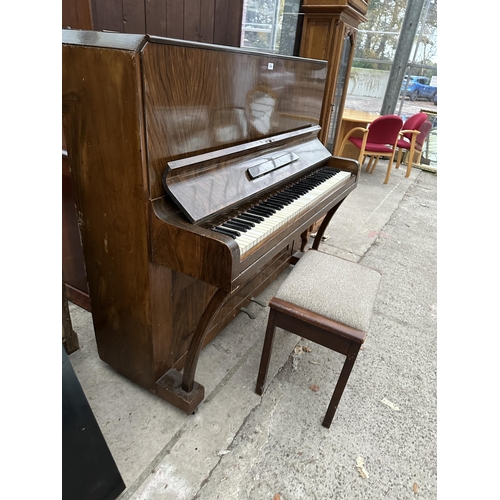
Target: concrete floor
<point>242,446</point>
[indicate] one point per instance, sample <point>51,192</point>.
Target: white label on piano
<point>270,65</point>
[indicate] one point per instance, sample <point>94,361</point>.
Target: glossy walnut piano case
<point>155,129</point>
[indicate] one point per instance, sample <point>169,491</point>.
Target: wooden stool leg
<point>266,352</point>
<point>341,383</point>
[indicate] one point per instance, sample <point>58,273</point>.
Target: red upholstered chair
<point>425,129</point>
<point>379,139</point>
<point>408,139</point>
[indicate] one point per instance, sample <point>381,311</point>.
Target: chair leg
<point>369,164</point>
<point>400,157</point>
<point>341,383</point>
<point>374,164</point>
<point>410,161</point>
<point>266,352</point>
<point>388,174</point>
<point>419,157</point>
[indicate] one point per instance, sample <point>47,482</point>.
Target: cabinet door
<point>340,92</point>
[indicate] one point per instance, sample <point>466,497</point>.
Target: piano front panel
<point>200,98</point>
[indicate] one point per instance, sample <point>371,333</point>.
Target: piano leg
<point>324,225</point>
<point>181,390</point>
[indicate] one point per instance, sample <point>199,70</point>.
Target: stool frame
<point>316,328</point>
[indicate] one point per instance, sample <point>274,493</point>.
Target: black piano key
<point>325,175</point>
<point>310,182</point>
<point>281,199</point>
<point>265,212</point>
<point>245,222</point>
<point>300,191</point>
<point>288,196</point>
<point>227,232</point>
<point>250,217</point>
<point>245,225</point>
<point>271,204</point>
<point>258,213</point>
<point>236,227</point>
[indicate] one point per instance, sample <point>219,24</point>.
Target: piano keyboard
<point>257,223</point>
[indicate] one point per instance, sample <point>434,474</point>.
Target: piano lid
<point>211,183</point>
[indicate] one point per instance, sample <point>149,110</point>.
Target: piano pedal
<point>251,315</point>
<point>258,301</point>
<point>323,238</point>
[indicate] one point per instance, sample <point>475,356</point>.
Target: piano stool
<point>329,301</point>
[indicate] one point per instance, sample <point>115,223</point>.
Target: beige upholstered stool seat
<point>327,300</point>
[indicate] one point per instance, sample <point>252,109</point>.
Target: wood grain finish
<point>77,14</point>
<point>218,182</point>
<point>359,7</point>
<point>207,21</point>
<point>103,129</point>
<point>198,98</point>
<point>131,105</point>
<point>73,265</point>
<point>327,25</point>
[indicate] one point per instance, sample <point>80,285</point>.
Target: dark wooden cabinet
<point>329,32</point>
<point>73,264</point>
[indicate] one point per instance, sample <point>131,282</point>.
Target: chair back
<point>384,129</point>
<point>414,123</point>
<point>424,129</point>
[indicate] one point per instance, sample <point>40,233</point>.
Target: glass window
<point>271,26</point>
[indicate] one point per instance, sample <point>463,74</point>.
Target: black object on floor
<point>89,471</point>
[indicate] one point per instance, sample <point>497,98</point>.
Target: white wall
<point>367,82</point>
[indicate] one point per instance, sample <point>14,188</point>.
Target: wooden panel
<point>175,19</point>
<point>234,18</point>
<point>208,21</point>
<point>134,16</point>
<point>156,17</point>
<point>77,14</point>
<point>227,23</point>
<point>111,195</point>
<point>316,39</point>
<point>221,22</point>
<point>109,15</point>
<point>208,101</point>
<point>359,5</point>
<point>73,265</point>
<point>207,13</point>
<point>191,20</point>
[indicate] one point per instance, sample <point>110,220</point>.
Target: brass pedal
<point>260,302</point>
<point>251,315</point>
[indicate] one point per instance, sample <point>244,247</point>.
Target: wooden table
<point>351,119</point>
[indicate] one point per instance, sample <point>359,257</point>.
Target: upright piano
<point>197,170</point>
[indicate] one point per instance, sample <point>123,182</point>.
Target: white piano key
<point>272,223</point>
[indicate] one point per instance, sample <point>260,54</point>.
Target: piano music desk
<point>352,118</point>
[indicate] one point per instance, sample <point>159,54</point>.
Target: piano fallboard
<point>206,185</point>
